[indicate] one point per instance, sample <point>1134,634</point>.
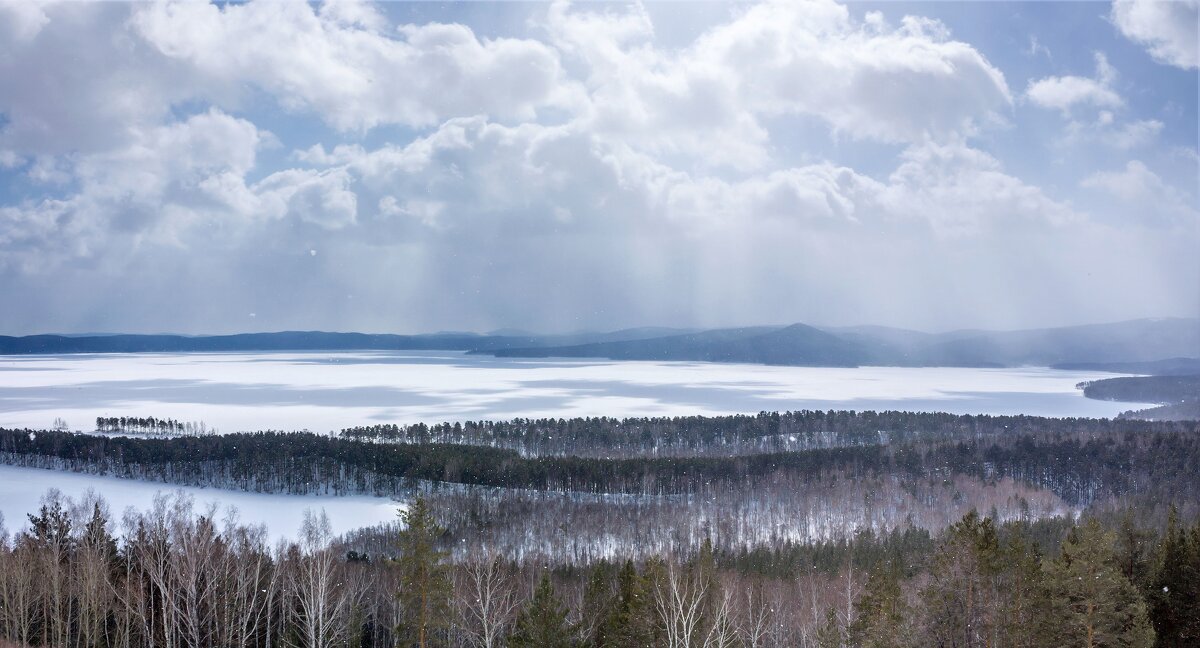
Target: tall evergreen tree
<point>597,598</point>
<point>1174,608</point>
<point>1191,611</point>
<point>425,587</point>
<point>51,533</point>
<point>831,634</point>
<point>962,599</point>
<point>543,622</point>
<point>882,616</point>
<point>630,622</point>
<point>1025,618</point>
<point>1097,606</point>
<point>1133,549</point>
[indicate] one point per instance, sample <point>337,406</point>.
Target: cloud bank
<point>270,165</point>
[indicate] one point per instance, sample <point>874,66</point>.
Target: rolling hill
<point>1125,346</point>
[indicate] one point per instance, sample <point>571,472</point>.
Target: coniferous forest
<point>782,529</point>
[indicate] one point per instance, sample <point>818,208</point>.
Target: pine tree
<point>630,622</point>
<point>1191,630</point>
<point>705,569</point>
<point>51,534</point>
<point>1098,606</point>
<point>1025,619</point>
<point>882,613</point>
<point>597,598</point>
<point>962,599</point>
<point>95,534</point>
<point>425,588</point>
<point>1174,591</point>
<point>543,622</point>
<point>830,635</point>
<point>1133,551</point>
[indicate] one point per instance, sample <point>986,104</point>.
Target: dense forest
<point>1178,395</point>
<point>1145,389</point>
<point>184,578</point>
<point>811,529</point>
<point>1187,410</point>
<point>723,436</point>
<point>743,482</point>
<point>1077,458</point>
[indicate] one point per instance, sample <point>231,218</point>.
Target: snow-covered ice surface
<point>331,391</point>
<point>21,491</point>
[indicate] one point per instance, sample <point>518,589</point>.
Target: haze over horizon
<point>665,330</point>
<point>409,168</point>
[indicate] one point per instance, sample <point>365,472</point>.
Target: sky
<point>416,167</point>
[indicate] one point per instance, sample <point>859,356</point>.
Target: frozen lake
<point>330,391</point>
<point>22,489</point>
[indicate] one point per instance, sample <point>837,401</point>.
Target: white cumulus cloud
<point>866,80</point>
<point>1065,92</point>
<point>340,61</point>
<point>1166,28</point>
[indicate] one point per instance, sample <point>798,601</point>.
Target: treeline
<point>1149,458</point>
<point>738,434</point>
<point>1188,410</point>
<point>151,425</point>
<point>183,578</point>
<point>571,510</point>
<point>777,519</point>
<point>1144,389</point>
<point>1179,395</point>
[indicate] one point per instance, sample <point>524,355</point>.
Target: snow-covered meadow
<point>330,391</point>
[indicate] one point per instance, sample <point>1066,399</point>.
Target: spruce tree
<point>882,615</point>
<point>831,634</point>
<point>962,599</point>
<point>543,622</point>
<point>630,622</point>
<point>1026,618</point>
<point>704,571</point>
<point>597,598</point>
<point>1174,591</point>
<point>1190,631</point>
<point>424,594</point>
<point>1133,551</point>
<point>1098,606</point>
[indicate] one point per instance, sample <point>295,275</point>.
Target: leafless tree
<point>249,583</point>
<point>721,632</point>
<point>680,598</point>
<point>323,596</point>
<point>486,600</point>
<point>756,619</point>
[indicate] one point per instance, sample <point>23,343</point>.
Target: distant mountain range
<point>1138,341</point>
<point>1169,345</point>
<point>1165,367</point>
<point>797,344</point>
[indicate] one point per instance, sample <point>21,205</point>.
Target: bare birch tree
<point>486,600</point>
<point>322,594</point>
